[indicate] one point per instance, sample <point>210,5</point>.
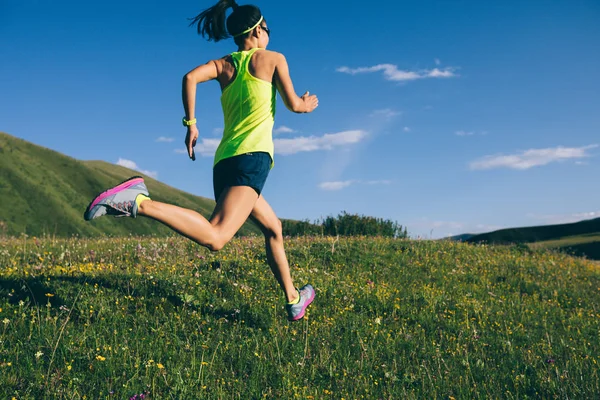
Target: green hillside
<point>43,192</point>
<point>538,233</point>
<point>460,238</point>
<point>581,246</point>
<point>580,238</point>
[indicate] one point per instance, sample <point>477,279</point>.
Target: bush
<point>345,225</point>
<point>300,228</point>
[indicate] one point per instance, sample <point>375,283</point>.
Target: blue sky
<point>445,116</point>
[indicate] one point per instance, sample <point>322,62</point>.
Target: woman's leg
<point>232,210</point>
<point>263,214</point>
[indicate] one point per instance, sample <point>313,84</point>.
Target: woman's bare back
<point>262,66</point>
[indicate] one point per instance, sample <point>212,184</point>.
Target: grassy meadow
<point>581,245</point>
<point>161,318</point>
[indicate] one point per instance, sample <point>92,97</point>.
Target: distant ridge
<point>460,238</point>
<point>578,238</point>
<point>43,192</point>
<point>538,233</point>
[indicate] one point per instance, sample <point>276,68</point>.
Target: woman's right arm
<point>283,82</point>
<point>198,75</point>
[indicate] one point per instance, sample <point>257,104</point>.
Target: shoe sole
<point>123,185</point>
<point>301,315</point>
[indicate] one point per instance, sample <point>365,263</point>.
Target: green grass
<point>567,241</point>
<point>111,318</point>
<point>587,246</point>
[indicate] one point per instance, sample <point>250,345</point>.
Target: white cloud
<point>132,165</point>
<point>165,139</point>
<point>531,158</point>
<point>314,143</point>
<point>553,219</point>
<point>386,113</point>
<point>379,182</point>
<point>438,73</point>
<point>470,133</point>
<point>127,164</point>
<point>406,129</point>
<point>392,73</point>
<point>205,147</point>
<point>585,215</point>
<point>426,228</point>
<point>217,131</point>
<point>284,129</point>
<point>437,61</point>
<point>447,224</point>
<point>338,185</point>
<point>479,228</point>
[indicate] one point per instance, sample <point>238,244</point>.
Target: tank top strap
<point>241,60</point>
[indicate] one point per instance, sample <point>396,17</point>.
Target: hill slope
<point>43,192</point>
<point>538,233</point>
<point>578,238</point>
<point>460,238</point>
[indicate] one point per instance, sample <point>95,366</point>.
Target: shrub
<point>345,224</point>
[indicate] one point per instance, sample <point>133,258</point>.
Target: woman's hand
<point>190,140</point>
<point>310,102</point>
<point>304,104</point>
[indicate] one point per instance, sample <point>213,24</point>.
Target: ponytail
<point>211,22</point>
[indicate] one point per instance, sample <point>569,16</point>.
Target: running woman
<point>249,79</point>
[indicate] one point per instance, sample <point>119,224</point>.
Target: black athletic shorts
<point>249,169</point>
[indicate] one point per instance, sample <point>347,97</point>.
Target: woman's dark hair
<point>211,22</point>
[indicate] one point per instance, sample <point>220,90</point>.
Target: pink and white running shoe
<point>296,311</point>
<point>118,201</point>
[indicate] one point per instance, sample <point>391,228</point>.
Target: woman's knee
<point>274,229</point>
<point>216,242</point>
<point>216,246</point>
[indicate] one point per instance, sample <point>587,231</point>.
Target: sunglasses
<point>264,28</point>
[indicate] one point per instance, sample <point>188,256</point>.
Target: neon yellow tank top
<point>248,110</point>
